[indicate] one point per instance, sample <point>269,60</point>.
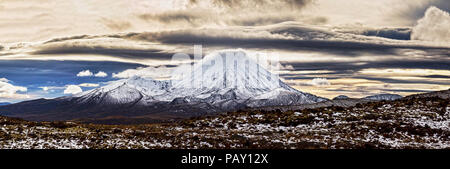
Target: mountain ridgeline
<point>221,82</point>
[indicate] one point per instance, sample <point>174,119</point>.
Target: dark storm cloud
<point>70,38</point>
<point>437,76</point>
<point>347,48</point>
<point>366,90</point>
<point>351,69</point>
<point>349,75</point>
<point>99,50</point>
<point>406,90</point>
<point>391,33</point>
<point>393,81</point>
<point>289,37</point>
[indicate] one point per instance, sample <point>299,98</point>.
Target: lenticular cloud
<point>434,26</point>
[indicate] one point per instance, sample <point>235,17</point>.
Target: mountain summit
<point>222,81</point>
<point>231,75</point>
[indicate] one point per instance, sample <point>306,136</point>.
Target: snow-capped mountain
<point>223,81</point>
<point>231,76</point>
<point>380,97</point>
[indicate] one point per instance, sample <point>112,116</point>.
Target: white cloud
<point>313,82</point>
<point>69,89</point>
<point>85,73</point>
<point>319,82</point>
<point>151,72</point>
<point>101,74</point>
<point>44,88</point>
<point>88,85</point>
<point>52,88</point>
<point>88,73</point>
<point>73,89</point>
<point>434,26</point>
<point>8,90</point>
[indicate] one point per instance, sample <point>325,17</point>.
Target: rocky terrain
<point>417,122</point>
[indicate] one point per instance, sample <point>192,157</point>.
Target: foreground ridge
<point>419,121</point>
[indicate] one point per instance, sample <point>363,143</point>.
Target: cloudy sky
<point>52,48</point>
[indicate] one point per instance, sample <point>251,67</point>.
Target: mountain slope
<point>223,81</point>
<point>211,80</point>
<point>128,91</point>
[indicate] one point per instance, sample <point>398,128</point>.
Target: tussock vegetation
<point>407,123</point>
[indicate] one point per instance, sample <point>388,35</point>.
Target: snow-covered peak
<point>148,86</point>
<point>237,70</point>
<point>229,75</point>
